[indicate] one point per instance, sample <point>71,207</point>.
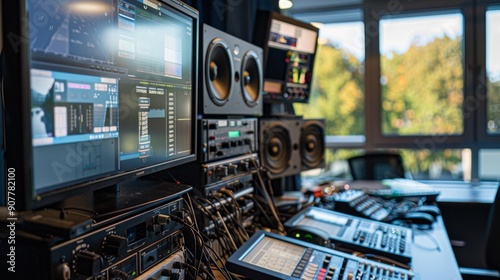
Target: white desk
<point>428,261</point>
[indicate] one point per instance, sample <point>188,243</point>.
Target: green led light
<point>234,133</point>
<point>134,273</point>
<point>297,235</point>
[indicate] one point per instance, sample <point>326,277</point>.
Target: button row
<point>107,69</point>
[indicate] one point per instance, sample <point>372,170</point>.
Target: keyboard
<point>405,188</point>
<point>429,194</point>
<point>358,203</point>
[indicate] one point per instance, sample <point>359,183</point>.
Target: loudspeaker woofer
<point>219,71</point>
<point>278,149</point>
<point>251,83</point>
<point>312,145</point>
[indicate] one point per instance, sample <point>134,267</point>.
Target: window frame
<point>488,140</point>
<point>375,136</point>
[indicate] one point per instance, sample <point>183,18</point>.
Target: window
<point>422,75</point>
<point>442,164</point>
<point>338,79</point>
<point>493,70</point>
<point>488,164</point>
<point>419,98</point>
<point>338,91</point>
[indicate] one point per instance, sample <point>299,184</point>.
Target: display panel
<point>112,92</point>
<point>276,255</point>
<point>292,37</point>
<point>289,51</point>
<point>328,222</point>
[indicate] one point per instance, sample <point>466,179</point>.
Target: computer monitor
<point>96,93</point>
<point>289,51</point>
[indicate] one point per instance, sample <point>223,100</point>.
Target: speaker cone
<point>277,149</point>
<point>312,145</point>
<point>219,71</point>
<point>251,83</point>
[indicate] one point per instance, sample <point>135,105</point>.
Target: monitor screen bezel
<point>17,122</point>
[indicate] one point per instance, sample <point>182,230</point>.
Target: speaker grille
<point>312,145</point>
<point>277,148</point>
<point>251,83</point>
<point>219,71</point>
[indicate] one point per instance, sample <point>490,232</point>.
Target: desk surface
<point>453,192</point>
<point>431,262</point>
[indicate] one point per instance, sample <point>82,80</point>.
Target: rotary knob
<point>63,272</point>
<point>88,263</point>
<point>162,219</point>
<point>115,246</point>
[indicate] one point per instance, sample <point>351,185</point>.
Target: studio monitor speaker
<point>279,145</point>
<point>232,75</point>
<point>312,144</point>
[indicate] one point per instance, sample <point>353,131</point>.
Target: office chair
<point>492,257</point>
<point>376,166</point>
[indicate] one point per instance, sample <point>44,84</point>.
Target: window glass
<point>422,75</point>
<point>336,166</point>
<point>424,164</point>
<point>489,169</point>
<point>338,79</point>
<point>447,164</point>
<point>493,70</point>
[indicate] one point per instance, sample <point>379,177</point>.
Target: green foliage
<point>422,89</point>
<point>493,112</point>
<point>337,92</point>
<point>422,94</point>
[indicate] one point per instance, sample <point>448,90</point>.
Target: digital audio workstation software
<point>111,86</point>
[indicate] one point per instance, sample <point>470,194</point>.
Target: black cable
<point>264,203</point>
<point>237,223</point>
<point>190,205</point>
<point>225,272</point>
<point>223,265</point>
<point>211,216</point>
<point>221,239</point>
<point>207,272</point>
<point>239,212</point>
<point>225,225</point>
<point>260,208</point>
<point>281,228</point>
<point>194,230</point>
